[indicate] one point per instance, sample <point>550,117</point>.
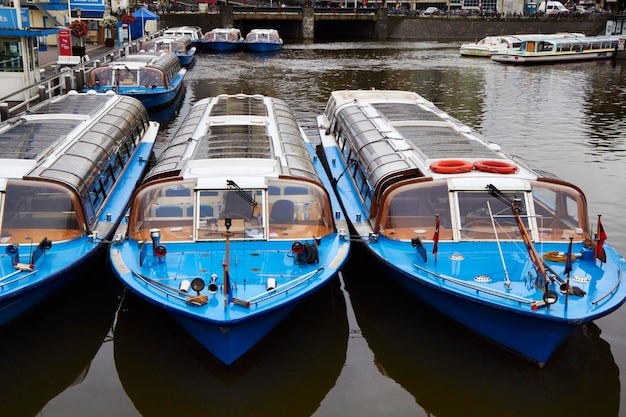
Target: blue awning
<point>32,32</point>
<point>88,10</point>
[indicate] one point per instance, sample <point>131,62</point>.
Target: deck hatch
<point>444,142</point>
<point>403,112</point>
<point>27,140</point>
<point>240,105</point>
<point>235,141</point>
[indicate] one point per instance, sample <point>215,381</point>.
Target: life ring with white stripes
<point>451,166</point>
<point>497,167</point>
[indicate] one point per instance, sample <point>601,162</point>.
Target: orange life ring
<point>451,166</point>
<point>497,167</point>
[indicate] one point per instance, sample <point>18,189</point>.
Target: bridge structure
<point>305,23</point>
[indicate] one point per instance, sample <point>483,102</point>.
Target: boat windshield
<point>107,76</point>
<point>411,211</point>
<point>558,213</point>
<point>288,209</point>
<point>31,211</point>
<point>561,211</point>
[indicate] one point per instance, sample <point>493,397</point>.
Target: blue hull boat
<point>505,250</point>
<point>181,46</point>
<point>69,168</point>
<point>154,78</point>
<point>263,40</point>
<point>222,40</point>
<point>234,225</point>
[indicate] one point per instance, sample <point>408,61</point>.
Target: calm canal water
<point>369,350</point>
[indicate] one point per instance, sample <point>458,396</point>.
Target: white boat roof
<point>62,139</point>
<point>400,132</point>
<point>245,138</point>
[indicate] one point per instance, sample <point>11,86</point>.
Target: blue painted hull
<point>65,261</point>
<point>222,46</point>
<point>227,332</point>
<point>186,59</point>
<point>151,98</point>
<point>262,46</point>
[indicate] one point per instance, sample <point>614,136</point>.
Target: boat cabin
<point>223,35</point>
<point>417,169</point>
<point>176,44</point>
<point>239,165</point>
<point>144,69</point>
<point>60,161</point>
<point>577,44</point>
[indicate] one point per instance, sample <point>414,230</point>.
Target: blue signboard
<point>8,18</point>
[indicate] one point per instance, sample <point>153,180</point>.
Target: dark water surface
<point>95,351</point>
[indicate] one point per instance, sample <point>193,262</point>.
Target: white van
<point>554,8</point>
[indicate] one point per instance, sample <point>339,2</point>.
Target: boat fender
<point>451,166</point>
<point>13,251</point>
<point>496,167</point>
<point>160,251</point>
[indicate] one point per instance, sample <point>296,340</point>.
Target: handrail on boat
<point>478,287</point>
<point>619,279</point>
<point>2,284</point>
<point>281,289</point>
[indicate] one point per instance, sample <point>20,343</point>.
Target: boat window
<point>101,76</point>
<point>560,211</point>
<point>411,211</point>
<point>298,209</point>
<point>165,206</point>
<point>34,210</point>
<point>476,222</point>
<point>151,77</point>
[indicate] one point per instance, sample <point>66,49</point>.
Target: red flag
<point>436,236</point>
<point>600,238</point>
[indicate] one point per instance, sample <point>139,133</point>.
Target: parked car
<point>431,11</point>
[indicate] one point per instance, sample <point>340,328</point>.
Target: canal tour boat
<point>192,32</point>
<point>180,46</point>
<point>69,167</point>
<point>505,250</point>
<point>222,40</point>
<point>490,45</point>
<point>263,40</point>
<point>548,51</point>
<point>154,78</point>
<point>233,225</point>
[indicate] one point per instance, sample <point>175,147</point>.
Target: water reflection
<point>452,373</point>
<point>288,374</point>
<point>51,348</point>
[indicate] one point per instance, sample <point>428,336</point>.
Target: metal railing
<point>63,80</point>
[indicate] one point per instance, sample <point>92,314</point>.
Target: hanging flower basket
<point>128,19</point>
<point>109,22</point>
<point>79,28</point>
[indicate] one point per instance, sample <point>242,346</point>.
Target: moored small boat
<point>263,40</point>
<point>233,225</point>
<point>192,32</point>
<point>154,78</point>
<point>550,51</point>
<point>501,248</point>
<point>181,46</point>
<point>69,166</point>
<point>490,45</point>
<point>222,40</point>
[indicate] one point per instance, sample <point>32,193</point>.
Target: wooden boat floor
<point>23,235</point>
